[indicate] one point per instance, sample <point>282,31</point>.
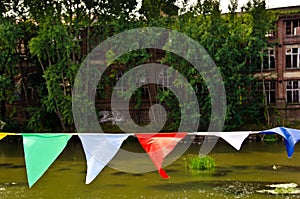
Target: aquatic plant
<point>196,162</point>
<point>281,189</point>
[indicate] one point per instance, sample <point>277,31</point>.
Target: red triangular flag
<point>158,146</point>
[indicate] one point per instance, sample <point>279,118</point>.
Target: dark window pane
<point>267,86</point>
<point>289,85</point>
<point>295,59</point>
<point>295,50</point>
<point>273,85</point>
<point>295,23</point>
<point>288,61</point>
<point>268,97</point>
<point>272,62</point>
<point>295,84</point>
<point>199,88</point>
<point>296,96</point>
<point>145,90</point>
<point>289,96</point>
<point>288,28</point>
<point>272,97</point>
<point>266,63</point>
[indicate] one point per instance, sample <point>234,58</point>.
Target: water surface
<point>238,175</point>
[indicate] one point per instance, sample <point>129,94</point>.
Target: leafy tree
<point>261,22</point>
<point>9,33</point>
<point>53,46</point>
<point>154,9</point>
<point>67,31</point>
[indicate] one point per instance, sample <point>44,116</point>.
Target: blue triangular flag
<point>291,137</point>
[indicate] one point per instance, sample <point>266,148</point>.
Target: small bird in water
<point>275,167</point>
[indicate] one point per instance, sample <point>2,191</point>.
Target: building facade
<point>280,70</point>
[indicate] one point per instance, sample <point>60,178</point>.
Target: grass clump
<point>196,162</point>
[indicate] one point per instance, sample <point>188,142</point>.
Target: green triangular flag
<point>40,152</point>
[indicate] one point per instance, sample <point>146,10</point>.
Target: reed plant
<point>195,162</point>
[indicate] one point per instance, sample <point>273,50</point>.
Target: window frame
<point>269,57</point>
<point>292,58</point>
<point>119,89</point>
<point>293,86</point>
<point>290,29</point>
<point>270,90</point>
<point>164,80</point>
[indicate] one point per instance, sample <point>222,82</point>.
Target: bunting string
<point>42,149</point>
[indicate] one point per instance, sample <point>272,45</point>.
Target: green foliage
<point>270,138</point>
<point>235,42</point>
<point>41,120</point>
<point>154,9</point>
<point>53,46</point>
<point>9,34</point>
<point>200,163</point>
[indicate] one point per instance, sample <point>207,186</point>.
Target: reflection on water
<point>238,175</point>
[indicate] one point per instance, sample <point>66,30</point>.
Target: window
<point>142,78</point>
<point>120,85</point>
<point>164,79</point>
<point>269,59</point>
<point>291,27</point>
<point>142,82</point>
<point>292,57</point>
<point>270,90</point>
<point>199,88</point>
<point>292,91</point>
<point>100,91</point>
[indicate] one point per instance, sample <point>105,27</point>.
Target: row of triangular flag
<point>42,149</point>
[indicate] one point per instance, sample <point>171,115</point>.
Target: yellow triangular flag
<point>2,135</point>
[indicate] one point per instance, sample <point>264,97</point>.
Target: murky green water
<point>238,175</point>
